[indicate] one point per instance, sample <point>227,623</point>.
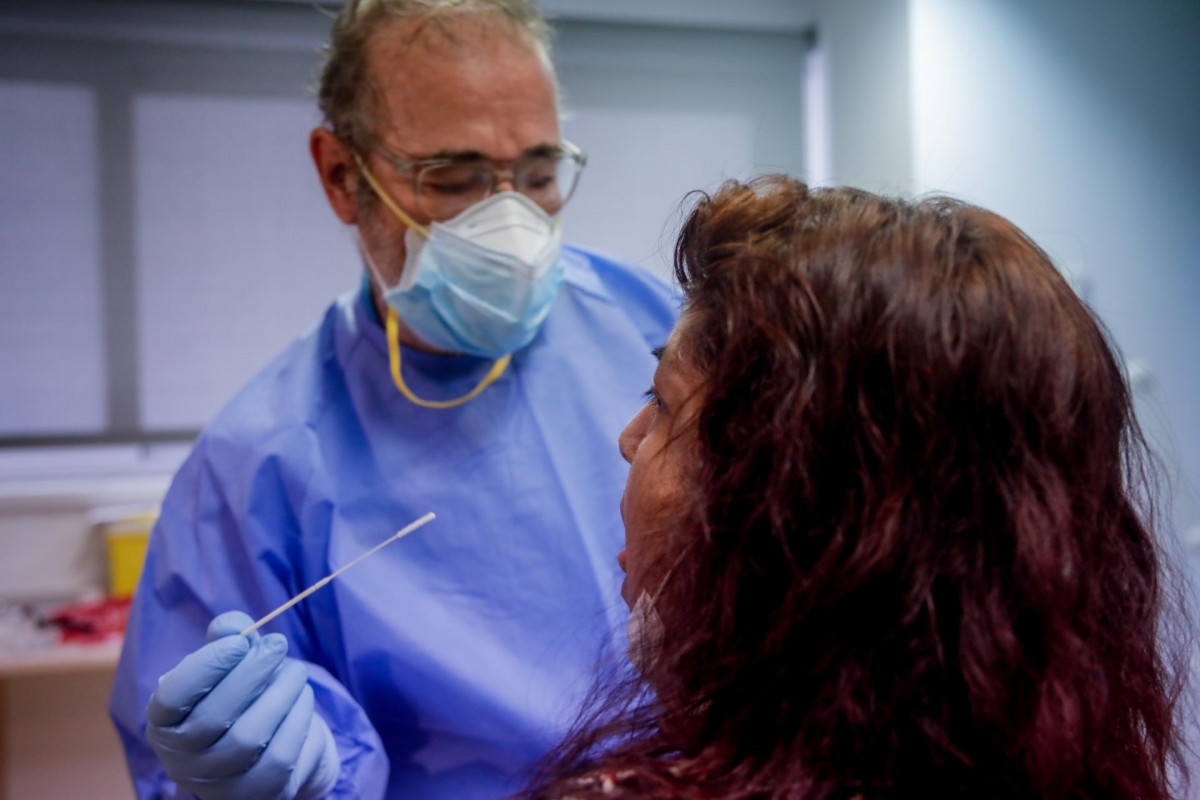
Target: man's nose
<point>505,181</point>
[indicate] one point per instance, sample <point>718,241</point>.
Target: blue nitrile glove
<point>235,720</point>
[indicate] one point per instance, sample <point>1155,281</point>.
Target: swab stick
<point>407,529</point>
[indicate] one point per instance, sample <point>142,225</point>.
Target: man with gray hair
<point>483,371</point>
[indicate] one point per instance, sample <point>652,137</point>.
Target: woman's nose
<point>633,434</point>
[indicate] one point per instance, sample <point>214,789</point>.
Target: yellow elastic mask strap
<point>393,337</point>
<point>388,201</point>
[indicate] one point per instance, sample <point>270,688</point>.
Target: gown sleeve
<point>227,539</point>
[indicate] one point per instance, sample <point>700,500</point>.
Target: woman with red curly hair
<point>884,535</point>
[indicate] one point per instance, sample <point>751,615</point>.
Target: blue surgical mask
<point>482,282</point>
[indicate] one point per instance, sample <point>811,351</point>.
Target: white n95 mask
<point>483,282</point>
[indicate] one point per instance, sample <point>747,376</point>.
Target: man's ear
<point>338,173</point>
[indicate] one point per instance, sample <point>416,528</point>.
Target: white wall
<point>1078,124</point>
<point>662,112</point>
<point>1082,128</point>
<point>864,44</point>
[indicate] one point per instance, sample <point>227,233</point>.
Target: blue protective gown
<point>458,653</point>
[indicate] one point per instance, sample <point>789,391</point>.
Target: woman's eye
<point>651,396</point>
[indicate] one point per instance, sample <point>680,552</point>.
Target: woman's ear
<point>339,176</point>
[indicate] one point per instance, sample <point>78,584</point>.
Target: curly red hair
<point>918,560</point>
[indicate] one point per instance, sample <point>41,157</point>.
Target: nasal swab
<point>407,529</point>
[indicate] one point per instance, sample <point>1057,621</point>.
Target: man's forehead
<point>482,90</point>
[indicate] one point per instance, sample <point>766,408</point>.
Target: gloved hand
<point>235,720</point>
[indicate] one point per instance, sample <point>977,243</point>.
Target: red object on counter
<point>91,621</point>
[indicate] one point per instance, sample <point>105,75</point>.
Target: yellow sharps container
<point>127,537</point>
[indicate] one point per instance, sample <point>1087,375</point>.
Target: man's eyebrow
<point>451,155</point>
<point>658,353</point>
<point>475,155</point>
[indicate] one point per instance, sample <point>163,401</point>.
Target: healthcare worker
<point>482,372</point>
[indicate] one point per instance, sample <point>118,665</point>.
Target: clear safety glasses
<point>444,187</point>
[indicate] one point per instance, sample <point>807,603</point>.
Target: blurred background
<point>163,234</point>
